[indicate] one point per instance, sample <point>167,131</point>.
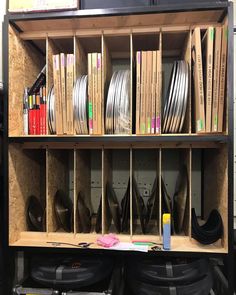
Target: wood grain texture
<point>80,67</point>
<point>180,244</point>
<point>155,19</point>
<point>27,177</point>
<point>51,49</point>
<point>24,66</point>
<point>106,77</point>
<point>216,186</point>
<point>57,179</point>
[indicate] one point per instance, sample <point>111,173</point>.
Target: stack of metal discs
<point>118,104</point>
<point>80,100</point>
<point>51,111</point>
<point>177,98</point>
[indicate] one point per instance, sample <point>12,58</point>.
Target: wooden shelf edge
<point>165,140</point>
<point>14,17</point>
<point>179,244</point>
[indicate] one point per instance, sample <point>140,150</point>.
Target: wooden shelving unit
<point>37,164</point>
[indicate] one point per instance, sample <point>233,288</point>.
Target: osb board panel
<point>162,19</point>
<point>57,174</point>
<point>24,66</point>
<point>82,178</point>
<point>160,191</point>
<point>26,169</point>
<point>187,215</point>
<point>216,186</point>
<point>178,244</point>
<point>132,63</point>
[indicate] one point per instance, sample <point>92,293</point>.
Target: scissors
<point>79,245</point>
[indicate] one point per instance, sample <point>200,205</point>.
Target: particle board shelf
<point>125,141</point>
<point>178,243</point>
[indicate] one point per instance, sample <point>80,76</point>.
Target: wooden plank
<point>106,77</point>
<point>178,243</point>
<point>93,32</point>
<point>131,83</point>
<point>24,66</point>
<point>80,59</point>
<point>154,19</point>
<point>27,176</point>
<point>160,193</point>
<point>216,186</point>
<point>57,167</point>
<point>187,127</point>
<point>131,190</point>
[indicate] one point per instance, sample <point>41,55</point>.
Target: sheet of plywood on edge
<point>26,169</point>
<point>216,186</point>
<point>57,160</point>
<point>24,66</point>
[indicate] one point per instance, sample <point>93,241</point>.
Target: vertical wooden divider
<point>106,76</point>
<point>75,192</point>
<point>187,160</point>
<point>190,192</point>
<point>131,192</point>
<point>51,49</point>
<point>161,79</point>
<point>187,56</point>
<point>131,83</point>
<point>47,196</point>
<point>103,192</point>
<point>160,194</point>
<point>80,60</point>
<point>158,182</point>
<point>24,67</point>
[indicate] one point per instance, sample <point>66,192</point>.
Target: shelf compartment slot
<point>88,183</point>
<point>146,192</point>
<point>115,184</point>
<point>27,177</point>
<point>215,187</point>
<point>143,108</point>
<point>60,177</point>
<point>176,193</point>
<point>25,64</point>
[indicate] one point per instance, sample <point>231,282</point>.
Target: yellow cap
<point>166,218</point>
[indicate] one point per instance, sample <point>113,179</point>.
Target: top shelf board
<point>116,19</point>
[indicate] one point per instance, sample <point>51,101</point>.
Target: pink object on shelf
<point>107,241</point>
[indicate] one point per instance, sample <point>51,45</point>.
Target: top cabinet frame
<point>113,22</point>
